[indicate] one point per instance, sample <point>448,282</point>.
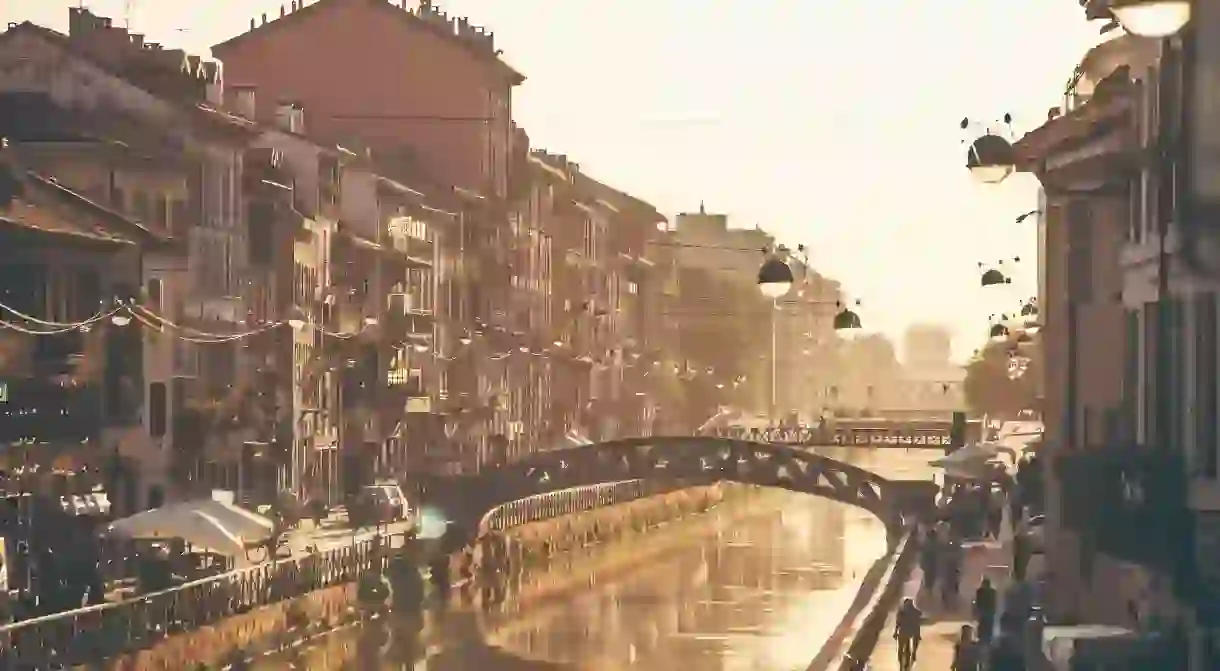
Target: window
<point>1176,408</point>
<point>1080,252</point>
<point>155,299</point>
<point>178,223</point>
<point>142,207</point>
<point>1151,420</point>
<point>160,215</point>
<point>1207,461</point>
<point>158,415</point>
<point>1131,366</point>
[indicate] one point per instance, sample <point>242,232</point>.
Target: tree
<point>722,333</point>
<point>990,388</point>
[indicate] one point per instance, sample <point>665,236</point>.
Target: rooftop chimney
<point>244,101</point>
<point>290,117</point>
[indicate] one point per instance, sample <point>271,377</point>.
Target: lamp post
<point>774,281</point>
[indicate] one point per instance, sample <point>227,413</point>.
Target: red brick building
<point>388,75</point>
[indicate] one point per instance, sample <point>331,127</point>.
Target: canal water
<point>758,589</point>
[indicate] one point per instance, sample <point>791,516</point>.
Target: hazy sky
<point>833,123</point>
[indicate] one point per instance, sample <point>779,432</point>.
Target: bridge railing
<point>87,635</point>
<point>569,502</point>
<point>817,435</point>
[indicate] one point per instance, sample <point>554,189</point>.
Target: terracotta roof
<point>44,206</point>
<point>1034,147</point>
<point>210,117</point>
<point>401,14</point>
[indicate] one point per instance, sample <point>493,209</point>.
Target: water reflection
<point>759,593</point>
<point>730,593</point>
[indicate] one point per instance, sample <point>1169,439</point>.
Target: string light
<point>65,327</point>
<point>97,316</point>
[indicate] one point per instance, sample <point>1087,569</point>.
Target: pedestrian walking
<point>967,653</point>
<point>930,560</point>
<point>953,556</point>
<point>985,609</point>
<point>1021,552</point>
<point>1008,654</point>
<point>908,626</point>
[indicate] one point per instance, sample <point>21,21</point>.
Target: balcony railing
<point>1131,502</point>
<point>40,411</point>
<point>58,353</point>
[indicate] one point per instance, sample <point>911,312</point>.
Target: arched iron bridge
<point>689,460</point>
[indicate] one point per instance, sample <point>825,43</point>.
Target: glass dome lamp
<point>847,320</point>
<point>120,319</point>
<point>998,332</point>
<point>992,278</point>
<point>297,318</point>
<point>991,159</point>
<point>775,278</point>
<point>1154,19</point>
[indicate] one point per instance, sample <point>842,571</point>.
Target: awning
<point>1098,644</point>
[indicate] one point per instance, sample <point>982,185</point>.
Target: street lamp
<point>775,278</point>
<point>991,157</point>
<point>296,318</point>
<point>1152,18</point>
<point>120,319</point>
<point>847,320</point>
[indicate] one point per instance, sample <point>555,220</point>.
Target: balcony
<point>39,411</point>
<point>1131,501</point>
<point>408,243</point>
<point>58,354</point>
<point>406,314</point>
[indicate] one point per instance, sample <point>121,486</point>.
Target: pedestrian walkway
<point>943,625</point>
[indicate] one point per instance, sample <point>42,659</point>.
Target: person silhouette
<point>908,626</point>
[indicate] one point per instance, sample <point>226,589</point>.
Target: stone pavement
<point>943,623</point>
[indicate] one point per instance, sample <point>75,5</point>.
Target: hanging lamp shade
<point>993,277</point>
<point>1156,19</point>
<point>297,319</point>
<point>847,320</point>
<point>998,331</point>
<point>775,277</point>
<point>991,159</point>
<point>1029,310</point>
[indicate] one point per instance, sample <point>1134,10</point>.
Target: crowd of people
<point>975,511</point>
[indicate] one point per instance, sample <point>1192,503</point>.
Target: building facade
<point>1130,419</point>
<point>172,176</point>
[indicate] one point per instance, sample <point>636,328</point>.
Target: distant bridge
<point>863,432</point>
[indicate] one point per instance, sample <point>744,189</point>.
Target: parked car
<point>380,503</point>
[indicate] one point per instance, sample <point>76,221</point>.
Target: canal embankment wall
<point>270,628</point>
<point>861,626</point>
